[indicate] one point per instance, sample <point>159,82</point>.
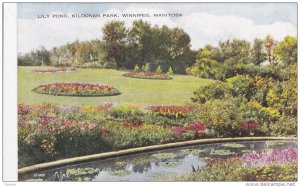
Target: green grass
<point>177,91</point>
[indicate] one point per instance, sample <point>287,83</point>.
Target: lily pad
<point>121,172</point>
<point>273,143</point>
<point>141,160</point>
<point>120,164</point>
<point>233,145</point>
<point>164,155</point>
<point>192,151</point>
<point>82,172</point>
<point>169,164</point>
<point>221,152</point>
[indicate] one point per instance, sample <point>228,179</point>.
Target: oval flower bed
<point>54,70</point>
<point>147,75</point>
<point>76,89</point>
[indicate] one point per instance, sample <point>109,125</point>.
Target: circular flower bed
<point>147,75</point>
<point>55,70</point>
<point>76,89</point>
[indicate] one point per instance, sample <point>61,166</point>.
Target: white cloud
<point>203,28</point>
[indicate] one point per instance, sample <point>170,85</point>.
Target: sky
<point>206,23</point>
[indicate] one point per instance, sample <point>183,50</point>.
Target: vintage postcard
<point>157,92</point>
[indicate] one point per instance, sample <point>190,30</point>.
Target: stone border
<point>74,160</point>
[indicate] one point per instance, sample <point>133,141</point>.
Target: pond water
<point>153,166</point>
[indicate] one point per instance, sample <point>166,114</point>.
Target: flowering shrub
<point>55,70</point>
<point>171,111</point>
<point>197,128</point>
<point>76,89</point>
<point>250,127</point>
<point>274,157</point>
<point>147,75</point>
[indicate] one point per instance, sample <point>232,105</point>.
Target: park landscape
<point>144,86</point>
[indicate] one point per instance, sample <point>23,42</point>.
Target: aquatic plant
<point>82,172</point>
<point>274,143</point>
<point>121,172</point>
<point>192,151</point>
<point>233,145</point>
<point>221,152</point>
<point>270,157</point>
<point>169,164</point>
<point>120,164</point>
<point>164,155</point>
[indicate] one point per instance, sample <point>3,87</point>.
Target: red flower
<point>104,131</point>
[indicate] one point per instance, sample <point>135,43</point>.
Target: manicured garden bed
<point>51,132</point>
<point>76,89</point>
<point>54,70</point>
<point>148,75</point>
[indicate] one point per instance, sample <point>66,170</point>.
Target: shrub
<point>170,71</point>
<point>158,70</point>
<point>217,90</point>
<point>222,117</point>
<point>286,125</point>
<point>136,68</point>
<point>241,85</point>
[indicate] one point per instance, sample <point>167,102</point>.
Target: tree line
<point>121,48</point>
<point>144,44</point>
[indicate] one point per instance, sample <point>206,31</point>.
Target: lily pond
<point>157,165</point>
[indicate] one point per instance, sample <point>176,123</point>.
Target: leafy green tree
<point>114,37</point>
<point>257,52</point>
<point>270,44</point>
<point>287,50</point>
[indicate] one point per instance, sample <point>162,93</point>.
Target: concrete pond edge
<point>130,151</point>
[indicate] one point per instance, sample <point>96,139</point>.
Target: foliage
<point>276,156</point>
<point>114,34</point>
<point>217,90</point>
<point>136,68</point>
<point>173,112</point>
<point>232,169</point>
<point>158,70</point>
<point>170,71</point>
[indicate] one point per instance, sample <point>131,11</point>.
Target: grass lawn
<point>177,91</point>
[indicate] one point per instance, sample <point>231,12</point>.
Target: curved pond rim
<point>131,151</point>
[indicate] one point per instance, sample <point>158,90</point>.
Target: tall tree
<point>287,50</point>
<point>270,44</point>
<point>114,37</point>
<point>258,54</point>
